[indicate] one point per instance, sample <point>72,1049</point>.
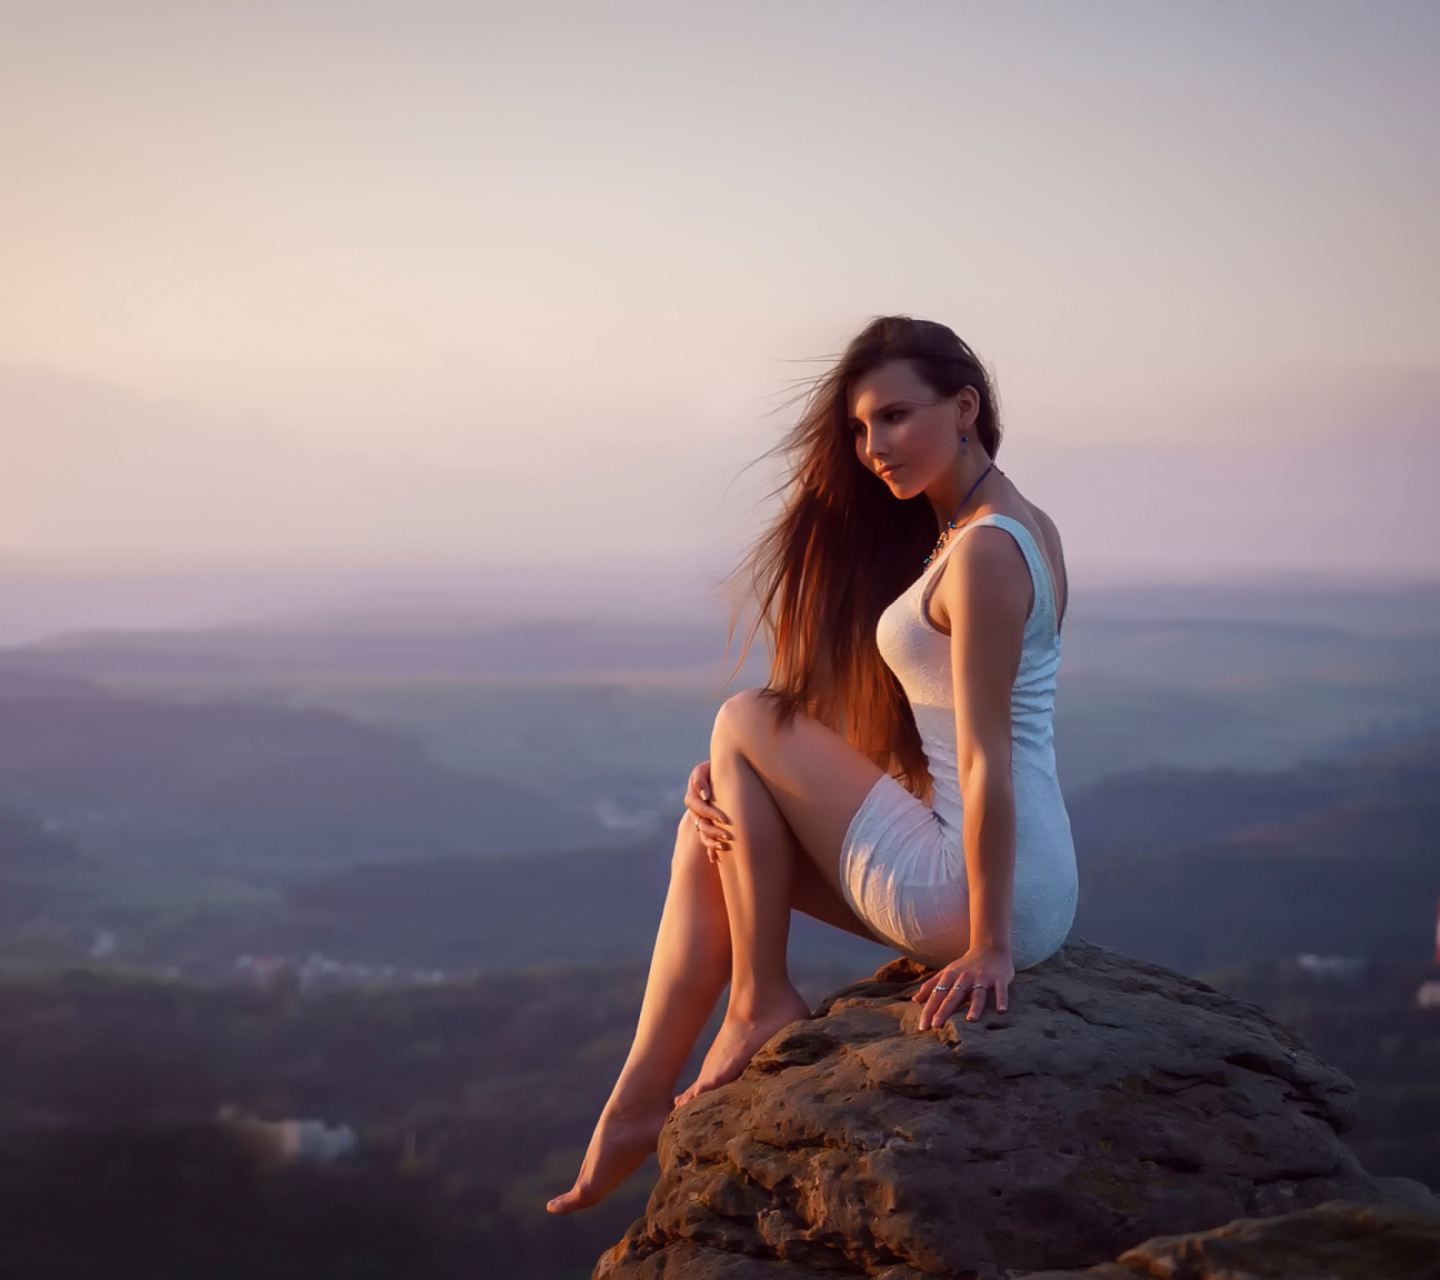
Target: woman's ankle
<point>637,1104</point>
<point>751,1005</point>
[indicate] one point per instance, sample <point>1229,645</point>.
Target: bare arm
<point>986,602</point>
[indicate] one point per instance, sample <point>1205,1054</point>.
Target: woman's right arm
<point>710,822</point>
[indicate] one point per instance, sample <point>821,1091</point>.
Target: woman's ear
<point>967,402</point>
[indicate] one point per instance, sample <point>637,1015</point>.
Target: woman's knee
<point>741,717</point>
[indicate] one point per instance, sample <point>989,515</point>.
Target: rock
<point>1334,1241</point>
<point>1115,1101</point>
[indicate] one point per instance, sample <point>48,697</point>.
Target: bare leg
<point>688,970</point>
<point>791,793</point>
<point>791,797</point>
<point>759,874</point>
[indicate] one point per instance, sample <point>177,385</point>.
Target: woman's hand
<point>709,821</point>
<point>974,973</point>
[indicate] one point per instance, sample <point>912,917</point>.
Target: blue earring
<point>963,450</point>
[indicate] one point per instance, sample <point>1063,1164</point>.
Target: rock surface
<point>1115,1101</point>
<point>1335,1241</point>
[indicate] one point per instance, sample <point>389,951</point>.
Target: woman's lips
<point>887,472</point>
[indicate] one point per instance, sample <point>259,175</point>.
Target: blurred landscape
<point>386,392</point>
<point>393,875</point>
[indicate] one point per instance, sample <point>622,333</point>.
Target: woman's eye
<point>894,415</point>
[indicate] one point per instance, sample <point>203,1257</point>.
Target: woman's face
<point>903,431</point>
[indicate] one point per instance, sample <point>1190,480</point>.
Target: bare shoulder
<point>1050,542</point>
<point>985,597</point>
<point>1054,552</point>
<point>990,574</point>
<point>1047,526</point>
<point>987,548</point>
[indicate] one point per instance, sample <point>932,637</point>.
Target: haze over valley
<point>387,393</point>
<point>232,773</point>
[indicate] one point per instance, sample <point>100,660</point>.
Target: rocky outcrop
<point>1336,1241</point>
<point>1114,1102</point>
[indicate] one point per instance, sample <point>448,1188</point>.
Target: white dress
<point>902,864</point>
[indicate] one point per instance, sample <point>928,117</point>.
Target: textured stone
<point>1333,1241</point>
<point>1113,1102</point>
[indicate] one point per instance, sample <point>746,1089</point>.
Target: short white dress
<point>902,864</point>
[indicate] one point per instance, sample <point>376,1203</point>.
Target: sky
<point>292,287</point>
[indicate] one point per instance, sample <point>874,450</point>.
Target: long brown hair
<point>844,547</point>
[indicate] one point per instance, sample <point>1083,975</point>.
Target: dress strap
<point>1044,587</point>
<point>1039,570</point>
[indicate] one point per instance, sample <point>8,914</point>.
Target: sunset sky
<point>310,285</point>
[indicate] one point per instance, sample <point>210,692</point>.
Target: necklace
<point>950,528</point>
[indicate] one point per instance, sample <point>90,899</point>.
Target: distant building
<point>1428,997</point>
<point>1333,968</point>
<point>318,973</point>
<point>263,971</point>
<point>287,1141</point>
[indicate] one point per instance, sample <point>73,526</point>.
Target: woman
<point>897,659</point>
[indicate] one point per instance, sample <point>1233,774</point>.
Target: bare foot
<point>620,1143</point>
<point>739,1039</point>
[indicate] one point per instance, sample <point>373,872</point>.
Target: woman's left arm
<point>986,602</point>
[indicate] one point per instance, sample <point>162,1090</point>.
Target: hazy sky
<point>290,284</point>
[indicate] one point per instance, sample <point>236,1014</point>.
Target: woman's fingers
<point>926,988</point>
<point>699,798</point>
<point>944,993</point>
<point>707,823</point>
<point>935,1010</point>
<point>710,820</point>
<point>700,780</point>
<point>704,810</point>
<point>977,1004</point>
<point>710,828</point>
<point>715,839</point>
<point>714,835</point>
<point>953,998</point>
<point>945,989</point>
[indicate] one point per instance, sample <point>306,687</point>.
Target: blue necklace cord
<point>950,528</point>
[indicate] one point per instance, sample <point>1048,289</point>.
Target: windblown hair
<point>844,547</point>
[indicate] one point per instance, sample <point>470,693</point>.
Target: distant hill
<point>1155,809</point>
<point>28,852</point>
<point>1189,652</point>
<point>396,646</point>
<point>449,913</point>
<point>26,845</point>
<point>1194,869</point>
<point>248,789</point>
<point>362,846</point>
<point>594,906</point>
<point>1255,686</point>
<point>1338,858</point>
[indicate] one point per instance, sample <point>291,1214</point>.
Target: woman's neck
<point>946,494</point>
